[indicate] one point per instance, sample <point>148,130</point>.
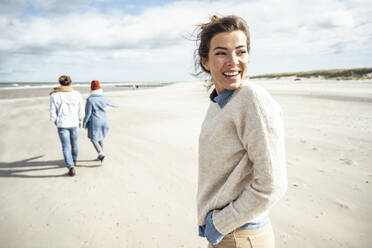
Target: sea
<point>26,90</point>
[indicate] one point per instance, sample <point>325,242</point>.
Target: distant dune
<point>338,74</point>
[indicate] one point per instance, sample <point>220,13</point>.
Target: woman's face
<point>227,60</point>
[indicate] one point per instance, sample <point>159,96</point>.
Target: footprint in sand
<point>346,161</point>
<point>284,237</point>
<point>342,204</point>
<point>319,215</point>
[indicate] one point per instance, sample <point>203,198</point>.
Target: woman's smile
<point>231,74</point>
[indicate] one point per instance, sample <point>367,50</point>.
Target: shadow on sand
<point>21,167</point>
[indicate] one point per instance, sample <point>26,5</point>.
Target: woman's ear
<point>205,64</point>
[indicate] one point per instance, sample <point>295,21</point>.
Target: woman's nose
<point>233,59</point>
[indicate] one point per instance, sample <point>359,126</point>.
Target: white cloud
<point>128,46</point>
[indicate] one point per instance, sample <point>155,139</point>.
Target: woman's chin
<point>234,86</point>
<point>228,85</point>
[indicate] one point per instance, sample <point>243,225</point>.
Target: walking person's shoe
<point>74,162</point>
<point>101,158</point>
<point>71,171</point>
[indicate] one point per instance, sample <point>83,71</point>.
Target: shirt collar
<point>222,98</point>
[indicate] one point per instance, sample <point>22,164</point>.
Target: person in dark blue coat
<point>95,119</point>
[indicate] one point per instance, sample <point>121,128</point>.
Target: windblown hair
<point>206,31</point>
<point>64,80</point>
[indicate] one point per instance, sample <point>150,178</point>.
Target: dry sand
<point>144,194</point>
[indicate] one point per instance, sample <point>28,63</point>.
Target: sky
<point>152,41</point>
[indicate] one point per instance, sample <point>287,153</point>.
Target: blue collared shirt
<point>221,99</point>
<point>214,237</point>
<point>208,230</point>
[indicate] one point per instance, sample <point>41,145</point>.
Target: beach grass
<point>344,74</point>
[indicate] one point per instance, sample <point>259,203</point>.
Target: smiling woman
<point>206,38</point>
<point>241,144</point>
<point>227,60</point>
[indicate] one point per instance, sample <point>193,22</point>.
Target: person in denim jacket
<point>96,117</point>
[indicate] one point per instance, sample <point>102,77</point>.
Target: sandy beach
<point>144,194</point>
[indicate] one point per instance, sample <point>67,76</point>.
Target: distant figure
<point>95,117</point>
<point>66,112</point>
<point>242,170</point>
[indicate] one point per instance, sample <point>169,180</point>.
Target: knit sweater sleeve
<point>260,129</point>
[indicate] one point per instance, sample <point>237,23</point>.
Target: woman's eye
<point>241,52</point>
<point>220,53</point>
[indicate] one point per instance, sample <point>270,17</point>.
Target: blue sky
<point>147,40</point>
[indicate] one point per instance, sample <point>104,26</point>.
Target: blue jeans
<point>69,139</point>
<point>98,146</point>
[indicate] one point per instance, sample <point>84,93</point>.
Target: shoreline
<point>41,91</point>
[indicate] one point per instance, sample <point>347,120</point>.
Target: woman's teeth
<point>231,74</point>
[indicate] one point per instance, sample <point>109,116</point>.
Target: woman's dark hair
<point>206,31</point>
<point>64,80</point>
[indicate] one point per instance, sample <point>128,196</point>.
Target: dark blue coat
<point>95,116</point>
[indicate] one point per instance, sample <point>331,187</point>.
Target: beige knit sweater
<point>241,159</point>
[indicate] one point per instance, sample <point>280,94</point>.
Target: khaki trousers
<point>262,237</point>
